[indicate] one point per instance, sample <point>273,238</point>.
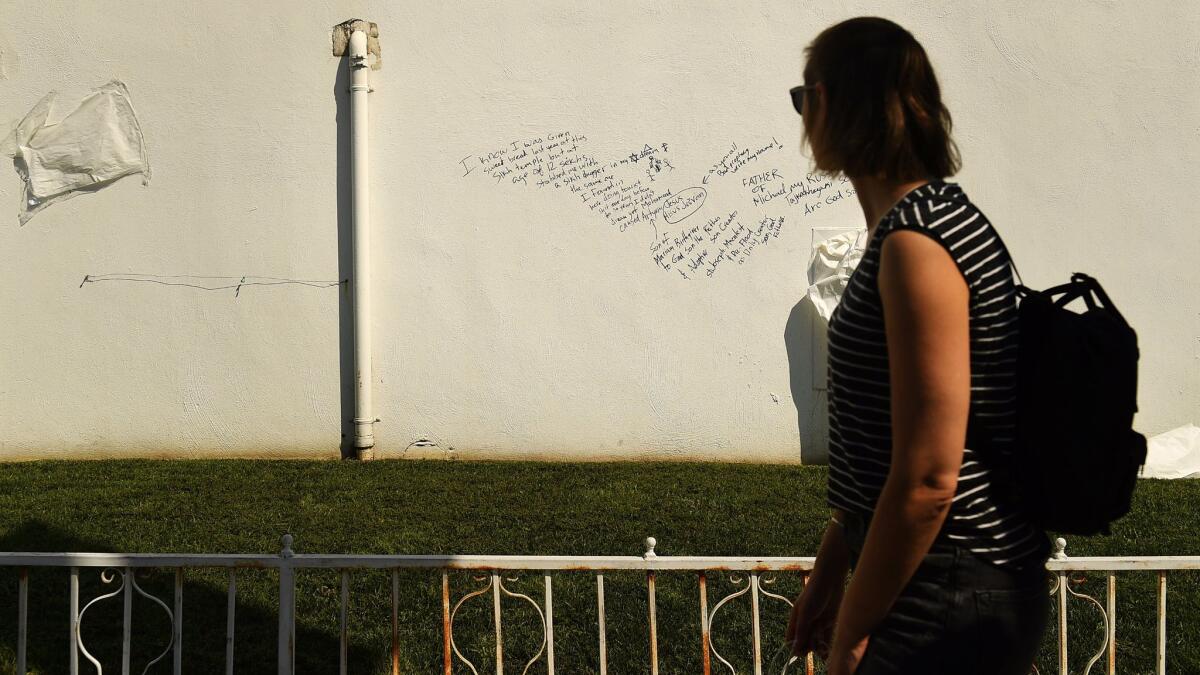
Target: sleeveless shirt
<point>981,519</point>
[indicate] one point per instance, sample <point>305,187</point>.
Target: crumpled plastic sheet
<point>833,261</point>
<point>1173,454</point>
<point>92,146</point>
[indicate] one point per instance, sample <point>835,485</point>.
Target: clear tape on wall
<point>90,147</point>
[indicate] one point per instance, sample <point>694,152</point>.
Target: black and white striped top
<point>860,438</point>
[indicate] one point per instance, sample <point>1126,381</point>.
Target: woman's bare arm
<point>925,308</point>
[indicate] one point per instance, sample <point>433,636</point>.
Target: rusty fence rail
<point>754,573</point>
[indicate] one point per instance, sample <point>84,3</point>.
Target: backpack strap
<point>1083,286</point>
<point>1077,287</point>
<point>1094,287</point>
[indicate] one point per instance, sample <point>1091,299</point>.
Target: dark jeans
<point>958,614</point>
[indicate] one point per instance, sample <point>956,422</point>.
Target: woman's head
<point>878,109</point>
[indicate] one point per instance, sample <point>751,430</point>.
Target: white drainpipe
<point>360,289</point>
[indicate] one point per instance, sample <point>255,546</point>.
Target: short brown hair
<point>884,115</point>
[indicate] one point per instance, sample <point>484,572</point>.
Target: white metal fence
<point>753,574</point>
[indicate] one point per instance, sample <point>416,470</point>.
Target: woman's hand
<point>814,615</point>
<point>815,610</point>
<point>844,659</point>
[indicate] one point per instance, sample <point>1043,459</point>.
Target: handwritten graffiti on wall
<point>645,188</point>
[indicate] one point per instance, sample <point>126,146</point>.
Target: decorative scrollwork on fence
<point>170,621</point>
<point>712,615</point>
<point>785,650</point>
<point>107,576</point>
<point>790,659</point>
<point>499,586</point>
<point>540,615</point>
<point>1079,580</point>
<point>464,598</point>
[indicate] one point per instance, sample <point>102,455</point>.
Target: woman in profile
<point>949,577</point>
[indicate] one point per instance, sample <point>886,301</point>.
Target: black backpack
<point>1077,456</point>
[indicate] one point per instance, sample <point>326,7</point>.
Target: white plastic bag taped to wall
<point>833,261</point>
<point>92,146</point>
<point>1174,454</point>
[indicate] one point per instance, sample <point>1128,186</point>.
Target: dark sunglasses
<point>798,96</point>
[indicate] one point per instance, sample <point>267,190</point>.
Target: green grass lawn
<point>423,507</point>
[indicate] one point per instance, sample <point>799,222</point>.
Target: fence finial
<point>287,547</point>
<point>650,542</point>
<point>1060,549</point>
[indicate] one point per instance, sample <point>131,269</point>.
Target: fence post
<point>287,608</point>
<point>1060,553</point>
<point>1162,623</point>
<point>650,542</point>
<point>74,660</point>
<point>22,619</point>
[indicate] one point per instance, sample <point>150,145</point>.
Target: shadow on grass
<point>204,613</point>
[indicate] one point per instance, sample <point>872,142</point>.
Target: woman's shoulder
<point>943,211</point>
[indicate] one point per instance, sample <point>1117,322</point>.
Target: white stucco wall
<point>511,320</point>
